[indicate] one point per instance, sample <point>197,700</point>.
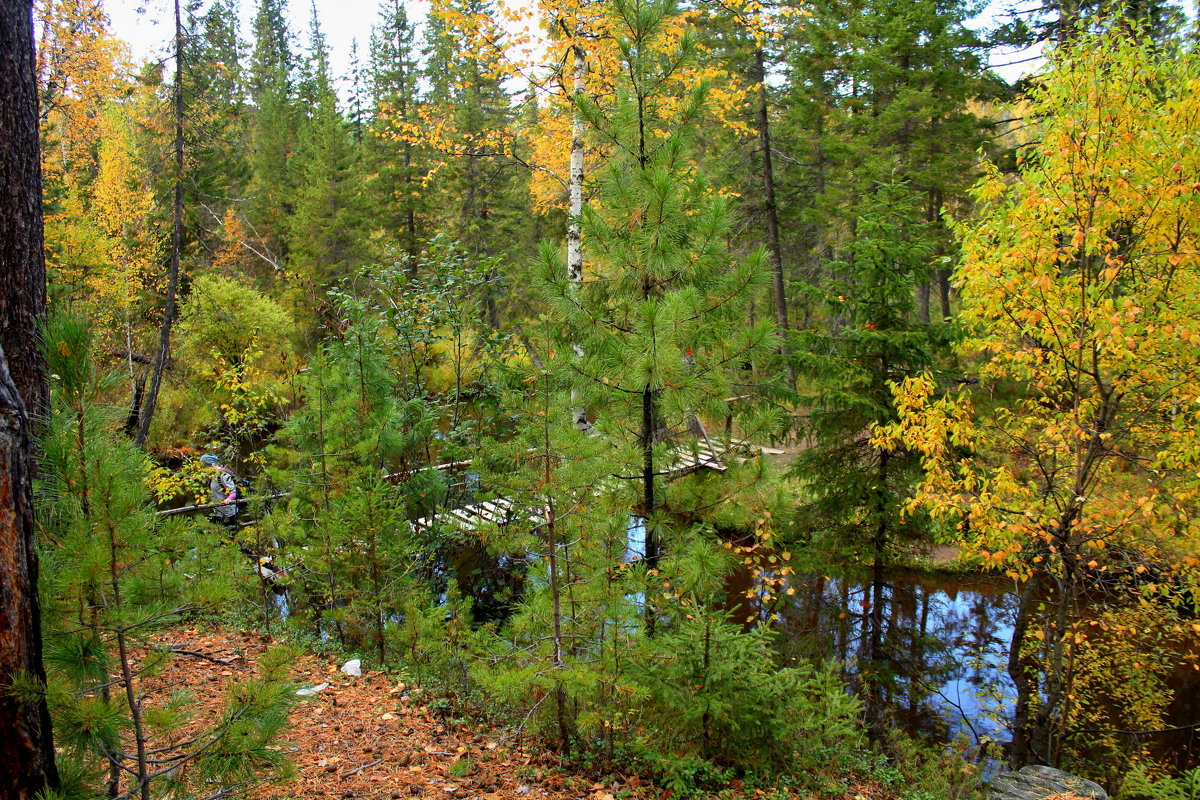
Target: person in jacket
<point>224,493</point>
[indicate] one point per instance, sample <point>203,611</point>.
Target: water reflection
<point>930,659</point>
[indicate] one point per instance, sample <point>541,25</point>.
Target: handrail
<point>172,512</point>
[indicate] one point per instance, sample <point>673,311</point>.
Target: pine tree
<point>28,746</point>
<point>660,321</point>
<point>115,573</point>
<point>716,694</point>
<point>740,38</point>
<point>561,655</point>
<point>354,548</point>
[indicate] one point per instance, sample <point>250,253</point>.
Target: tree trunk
<point>763,124</point>
<point>22,259</point>
<point>26,749</point>
<point>876,654</point>
<point>923,293</point>
<point>168,318</point>
<point>579,415</point>
<point>943,281</point>
<point>648,499</point>
<point>26,746</point>
<point>1021,669</point>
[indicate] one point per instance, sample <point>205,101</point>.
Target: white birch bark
<point>575,210</point>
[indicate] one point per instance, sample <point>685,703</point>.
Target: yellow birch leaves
<point>1080,283</point>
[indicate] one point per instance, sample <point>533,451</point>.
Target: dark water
<point>938,670</point>
<point>941,670</point>
<point>942,667</point>
<point>944,642</point>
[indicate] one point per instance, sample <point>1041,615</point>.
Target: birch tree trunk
<point>579,415</point>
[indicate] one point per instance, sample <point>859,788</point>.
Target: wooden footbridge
<point>684,460</point>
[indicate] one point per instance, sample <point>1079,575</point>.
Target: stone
<point>1037,783</point>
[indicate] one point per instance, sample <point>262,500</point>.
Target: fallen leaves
<point>371,737</point>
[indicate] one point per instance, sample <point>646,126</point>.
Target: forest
<point>657,398</point>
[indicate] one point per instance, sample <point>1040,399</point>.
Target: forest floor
<point>367,737</point>
<point>371,737</point>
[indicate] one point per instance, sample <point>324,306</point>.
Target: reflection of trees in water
<point>925,654</point>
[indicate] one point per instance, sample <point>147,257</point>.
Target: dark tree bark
<point>26,748</point>
<point>1021,669</point>
<point>943,281</point>
<point>22,261</point>
<point>168,318</point>
<point>762,123</point>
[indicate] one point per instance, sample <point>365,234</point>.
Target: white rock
<point>353,667</point>
<point>310,691</point>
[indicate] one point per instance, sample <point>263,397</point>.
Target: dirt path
<point>369,737</point>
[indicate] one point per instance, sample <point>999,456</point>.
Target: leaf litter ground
<point>368,737</point>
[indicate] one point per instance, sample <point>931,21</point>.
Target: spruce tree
<point>880,92</point>
<point>484,199</point>
<point>215,93</point>
<point>856,489</point>
<point>325,237</point>
<point>272,132</point>
<point>395,168</point>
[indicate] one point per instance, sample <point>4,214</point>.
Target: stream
<point>944,638</point>
<point>945,647</point>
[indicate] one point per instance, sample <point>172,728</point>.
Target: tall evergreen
<point>325,238</point>
<point>215,93</point>
<point>484,197</point>
<point>881,91</point>
<point>272,137</point>
<point>394,169</point>
<point>856,489</point>
<point>661,326</point>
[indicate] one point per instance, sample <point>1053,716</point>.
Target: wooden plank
<point>488,512</point>
<point>468,521</point>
